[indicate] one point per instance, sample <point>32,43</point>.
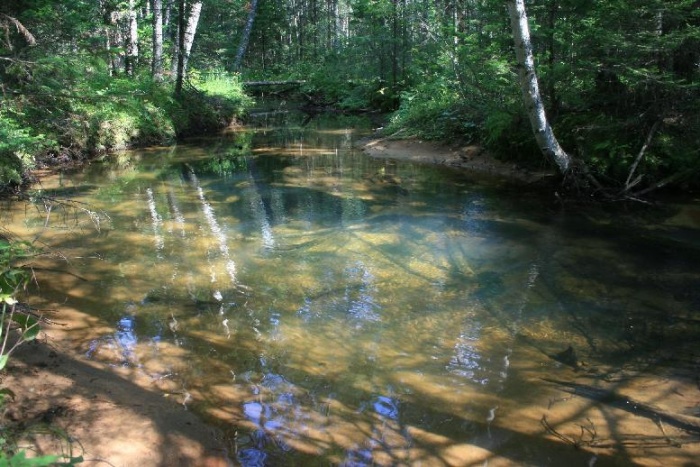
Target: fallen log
<point>252,84</point>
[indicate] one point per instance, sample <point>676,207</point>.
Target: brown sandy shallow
<point>109,415</point>
<point>67,404</point>
<point>467,157</point>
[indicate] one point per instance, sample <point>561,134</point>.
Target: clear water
<point>324,308</point>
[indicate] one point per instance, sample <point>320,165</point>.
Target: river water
<point>324,308</point>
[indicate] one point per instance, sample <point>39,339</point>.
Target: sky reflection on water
<point>330,308</point>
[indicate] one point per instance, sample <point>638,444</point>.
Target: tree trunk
<point>132,46</point>
<point>180,49</point>
<point>168,12</point>
<point>190,30</point>
<point>243,46</point>
<point>115,38</point>
<point>157,65</point>
<point>544,135</point>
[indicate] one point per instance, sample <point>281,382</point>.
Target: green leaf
<point>7,298</point>
<point>20,459</point>
<point>3,361</point>
<point>29,325</point>
<point>31,333</point>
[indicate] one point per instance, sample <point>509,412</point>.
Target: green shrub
<point>434,111</point>
<point>17,148</point>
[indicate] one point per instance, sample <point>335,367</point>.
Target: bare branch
<point>628,183</point>
<point>28,36</point>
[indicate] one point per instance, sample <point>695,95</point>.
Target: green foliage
<point>608,71</point>
<point>20,460</point>
<point>222,84</point>
<point>72,107</point>
<point>209,103</point>
<point>83,108</point>
<point>17,149</point>
<point>14,278</point>
<point>433,115</point>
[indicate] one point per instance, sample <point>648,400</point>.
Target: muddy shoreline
<point>467,157</point>
<point>102,414</point>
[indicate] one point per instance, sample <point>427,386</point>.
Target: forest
<point>619,80</point>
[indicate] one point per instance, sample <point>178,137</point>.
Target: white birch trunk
<point>190,31</point>
<point>544,135</point>
<point>132,47</point>
<point>243,46</point>
<point>157,65</point>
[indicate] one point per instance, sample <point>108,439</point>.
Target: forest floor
<point>468,157</point>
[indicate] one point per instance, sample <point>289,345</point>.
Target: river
<point>322,307</point>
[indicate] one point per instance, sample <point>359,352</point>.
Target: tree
<point>187,28</point>
<point>7,23</point>
<point>157,65</point>
<point>132,45</point>
<point>190,30</point>
<point>544,134</point>
<point>246,35</point>
<point>180,48</point>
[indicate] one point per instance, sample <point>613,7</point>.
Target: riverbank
<point>468,157</point>
<point>103,414</point>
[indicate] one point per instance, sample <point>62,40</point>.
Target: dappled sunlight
<point>299,151</point>
<point>327,306</point>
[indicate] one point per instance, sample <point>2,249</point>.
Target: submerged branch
<point>612,398</point>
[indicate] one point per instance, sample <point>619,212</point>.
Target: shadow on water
<point>325,308</point>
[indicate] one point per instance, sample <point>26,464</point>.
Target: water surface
<point>321,307</point>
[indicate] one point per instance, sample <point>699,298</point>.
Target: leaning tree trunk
<point>243,46</point>
<point>190,31</point>
<point>157,65</point>
<point>544,135</point>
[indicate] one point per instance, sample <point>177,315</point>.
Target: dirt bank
<point>108,415</point>
<point>468,157</point>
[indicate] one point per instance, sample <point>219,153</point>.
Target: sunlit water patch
<point>325,308</point>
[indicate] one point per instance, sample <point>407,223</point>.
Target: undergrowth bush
<point>436,116</point>
<point>70,107</point>
<point>17,148</point>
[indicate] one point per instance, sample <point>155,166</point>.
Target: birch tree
<point>187,28</point>
<point>246,35</point>
<point>157,65</point>
<point>544,135</point>
<point>132,46</point>
<point>180,48</point>
<point>190,30</point>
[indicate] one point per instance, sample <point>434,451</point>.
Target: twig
<point>628,183</point>
<point>555,433</point>
<point>661,183</point>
